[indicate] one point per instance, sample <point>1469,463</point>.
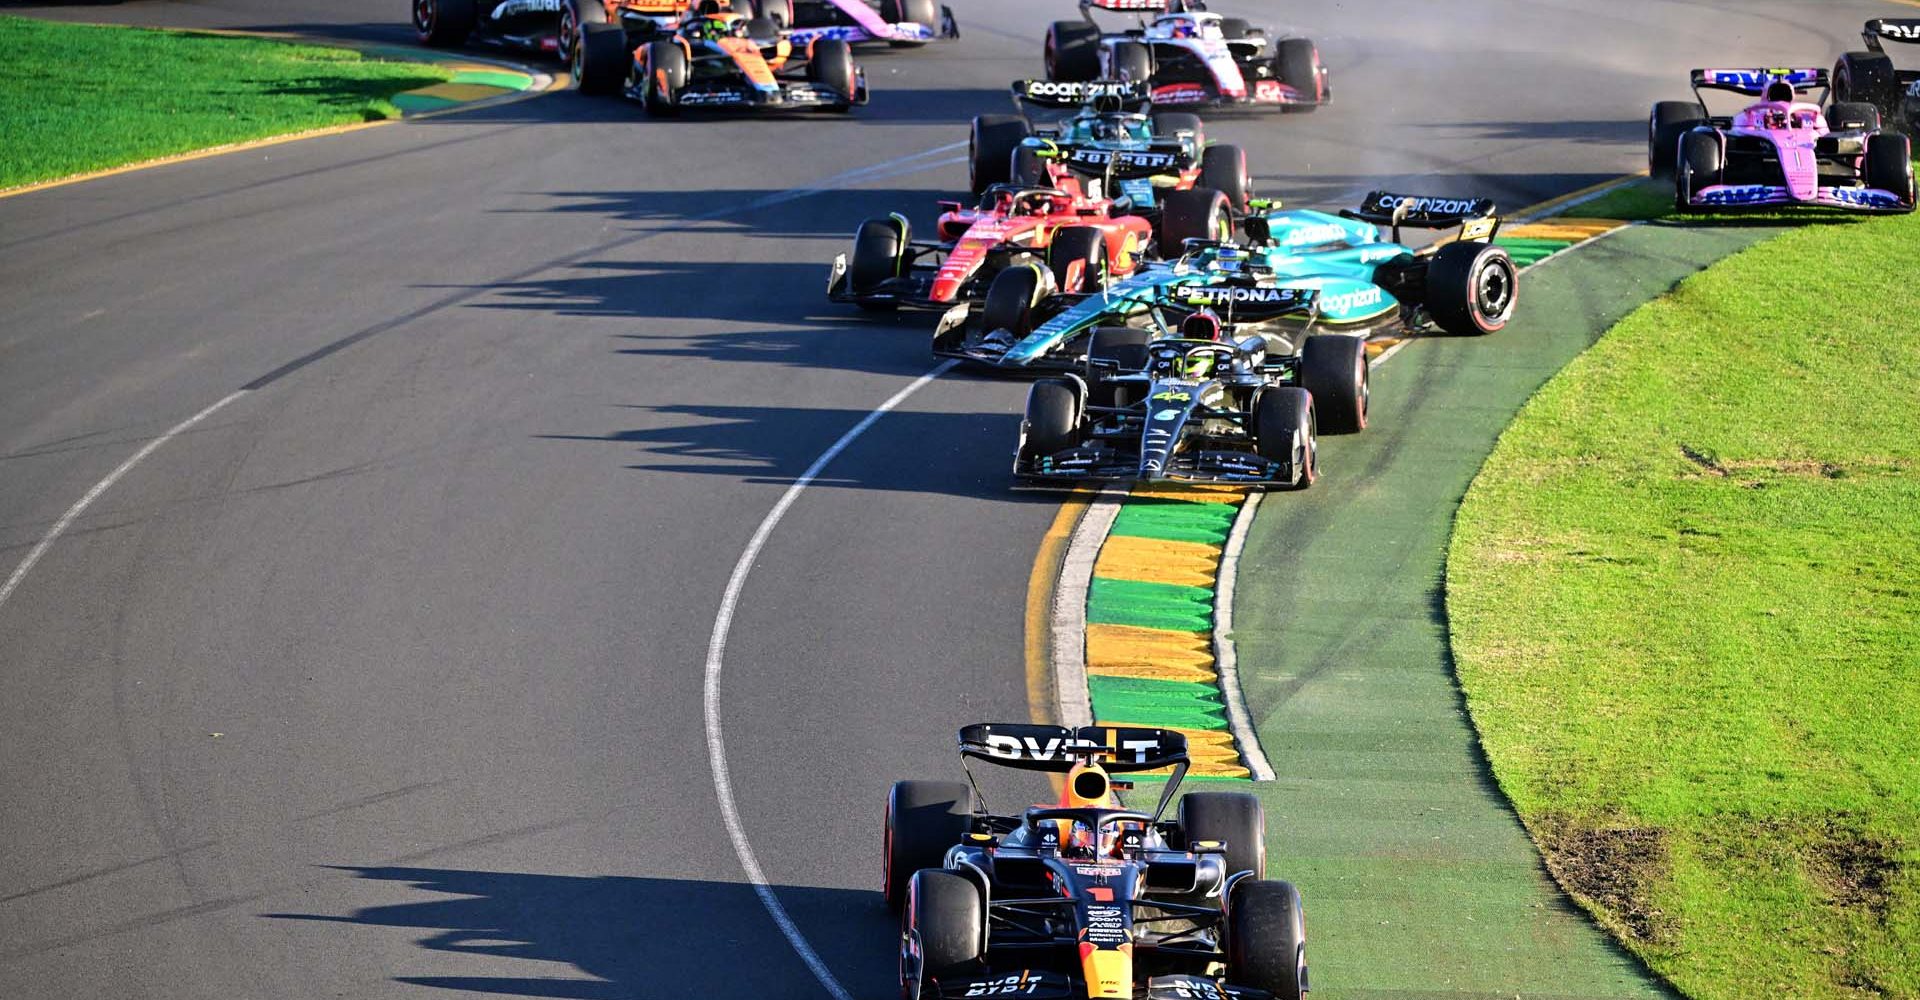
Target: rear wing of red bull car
<point>1058,749</point>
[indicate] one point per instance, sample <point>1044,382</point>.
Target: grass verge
<point>1684,595</point>
<point>76,98</point>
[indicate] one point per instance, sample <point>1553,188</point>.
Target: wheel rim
<point>1366,400</point>
<point>570,40</point>
<point>425,13</point>
<point>1493,293</point>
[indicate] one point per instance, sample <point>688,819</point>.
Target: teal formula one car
<point>1366,283</point>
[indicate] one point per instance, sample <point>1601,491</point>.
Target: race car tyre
<point>1668,122</point>
<point>1853,116</point>
<point>1168,123</point>
<point>878,249</point>
<point>990,148</point>
<point>1027,169</point>
<point>1235,819</point>
<point>1011,297</point>
<point>832,66</point>
<point>1698,166</point>
<point>1053,418</point>
<point>1123,346</point>
<point>1234,28</point>
<point>1334,369</point>
<point>1297,63</point>
<point>1889,165</point>
<point>1084,245</point>
<point>943,934</point>
<point>1267,938</point>
<point>1471,288</point>
<point>917,11</point>
<point>444,23</point>
<point>1868,77</point>
<point>667,69</point>
<point>1072,51</point>
<point>1132,62</point>
<point>1224,169</point>
<point>924,818</point>
<point>1283,431</point>
<point>779,12</point>
<point>600,58</point>
<point>763,31</point>
<point>1195,214</point>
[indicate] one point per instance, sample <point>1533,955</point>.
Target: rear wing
<point>1142,6</point>
<point>1474,216</point>
<point>1132,95</point>
<point>1893,29</point>
<point>1057,749</point>
<point>1753,82</point>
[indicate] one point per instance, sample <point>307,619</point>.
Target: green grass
<point>1684,595</point>
<point>75,98</point>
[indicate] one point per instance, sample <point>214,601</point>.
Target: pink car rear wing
<point>1753,82</point>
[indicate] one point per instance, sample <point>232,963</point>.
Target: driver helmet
<point>1181,29</point>
<point>1107,130</point>
<point>1077,839</point>
<point>1781,91</point>
<point>713,27</point>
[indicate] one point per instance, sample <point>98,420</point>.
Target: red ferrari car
<point>1076,241</point>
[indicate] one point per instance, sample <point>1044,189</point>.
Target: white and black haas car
<point>1870,77</point>
<point>1083,898</point>
<point>1190,56</point>
<point>1209,403</point>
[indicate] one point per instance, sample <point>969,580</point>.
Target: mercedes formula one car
<point>1110,143</point>
<point>1083,898</point>
<point>1870,77</point>
<point>900,23</point>
<point>722,60</point>
<point>1779,150</point>
<point>1366,283</point>
<point>1073,238</point>
<point>1190,57</point>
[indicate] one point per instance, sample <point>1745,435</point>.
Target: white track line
<point>1073,701</point>
<point>1226,663</point>
<point>79,506</point>
<point>716,660</point>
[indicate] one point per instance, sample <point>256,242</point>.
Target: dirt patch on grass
<point>1615,868</point>
<point>1854,869</point>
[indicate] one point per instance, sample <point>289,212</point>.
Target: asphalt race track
<point>389,673</point>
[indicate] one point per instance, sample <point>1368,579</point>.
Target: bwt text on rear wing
<point>1893,29</point>
<point>1753,82</point>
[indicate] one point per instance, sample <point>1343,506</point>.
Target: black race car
<point>1086,898</point>
<point>1191,57</point>
<point>1870,77</point>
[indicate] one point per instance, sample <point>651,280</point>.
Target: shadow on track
<point>632,936</point>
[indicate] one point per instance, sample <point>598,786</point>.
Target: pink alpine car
<point>1779,151</point>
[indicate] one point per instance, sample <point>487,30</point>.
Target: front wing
<point>1853,199</point>
<point>1093,463</point>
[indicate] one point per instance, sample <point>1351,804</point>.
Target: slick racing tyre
<point>1122,349</point>
<point>1334,369</point>
<point>1132,62</point>
<point>1169,123</point>
<point>1052,423</point>
<point>1196,214</point>
<point>1297,63</point>
<point>1283,431</point>
<point>444,23</point>
<point>919,12</point>
<point>924,818</point>
<point>879,250</point>
<point>943,934</point>
<point>1890,165</point>
<point>1011,298</point>
<point>1699,165</point>
<point>832,66</point>
<point>990,148</point>
<point>1224,169</point>
<point>1669,121</point>
<point>1267,938</point>
<point>1868,77</point>
<point>1082,245</point>
<point>1072,51</point>
<point>1471,288</point>
<point>780,12</point>
<point>666,69</point>
<point>1235,28</point>
<point>1853,116</point>
<point>1235,819</point>
<point>599,60</point>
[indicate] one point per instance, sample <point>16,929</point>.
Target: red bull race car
<point>1190,56</point>
<point>721,60</point>
<point>1083,898</point>
<point>1073,240</point>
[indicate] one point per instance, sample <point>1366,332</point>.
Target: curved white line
<point>79,506</point>
<point>716,658</point>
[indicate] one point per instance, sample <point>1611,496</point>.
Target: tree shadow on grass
<point>628,937</point>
